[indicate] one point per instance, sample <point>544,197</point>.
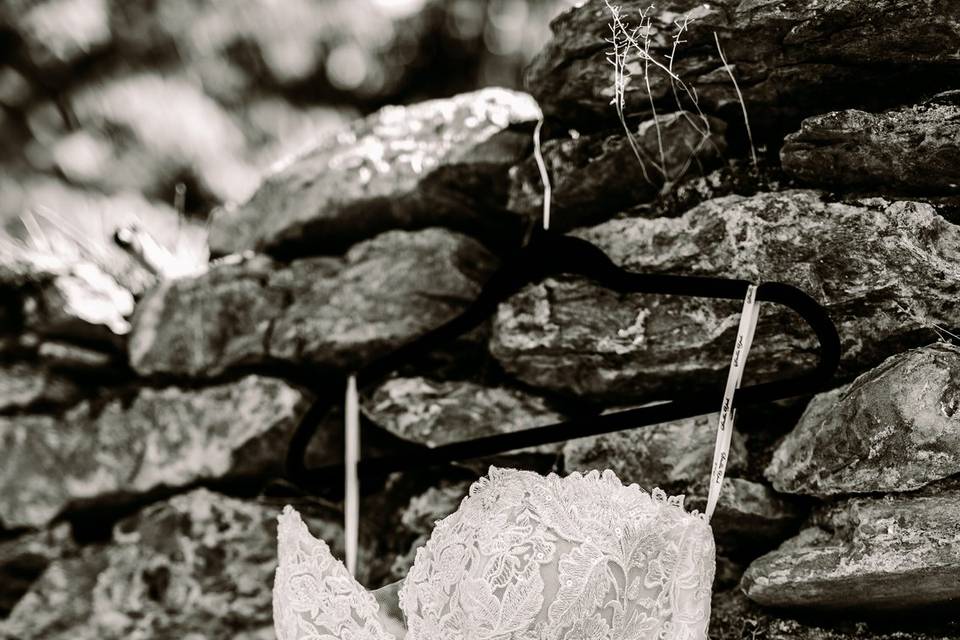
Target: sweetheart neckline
<point>308,574</point>
<point>608,475</point>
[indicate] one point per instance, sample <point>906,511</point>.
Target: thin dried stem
<point>544,176</point>
<point>637,41</point>
<point>743,106</point>
<point>621,73</point>
<point>645,18</point>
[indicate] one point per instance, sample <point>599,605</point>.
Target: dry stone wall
<point>144,421</point>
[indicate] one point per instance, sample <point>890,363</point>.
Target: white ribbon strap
<point>544,176</point>
<point>351,506</point>
<point>748,324</point>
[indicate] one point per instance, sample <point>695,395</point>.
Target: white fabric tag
<point>748,324</point>
<point>544,176</point>
<point>351,502</point>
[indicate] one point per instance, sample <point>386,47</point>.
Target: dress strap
<point>748,324</point>
<point>351,503</point>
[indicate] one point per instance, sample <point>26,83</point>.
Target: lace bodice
<point>525,557</point>
<point>314,596</point>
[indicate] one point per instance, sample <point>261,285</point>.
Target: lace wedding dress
<point>529,557</point>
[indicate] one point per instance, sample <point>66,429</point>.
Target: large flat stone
<point>337,312</point>
<point>198,565</point>
<point>435,413</point>
<point>914,148</point>
<point>791,58</point>
<point>594,176</point>
<point>897,552</point>
<point>105,455</point>
<point>884,270</point>
<point>893,429</point>
<point>436,163</point>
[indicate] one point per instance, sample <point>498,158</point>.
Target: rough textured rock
<point>199,565</point>
<point>23,385</point>
<point>440,162</point>
<point>734,617</point>
<point>885,271</point>
<point>749,517</point>
<point>774,628</point>
<point>791,58</point>
<point>897,552</point>
<point>594,176</point>
<point>24,558</point>
<point>328,311</point>
<point>893,429</point>
<point>162,438</point>
<point>57,603</point>
<point>674,456</point>
<point>780,629</point>
<point>910,149</point>
<point>434,413</point>
<point>737,176</point>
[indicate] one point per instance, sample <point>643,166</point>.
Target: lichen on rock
<point>894,428</point>
<point>437,163</point>
<point>435,413</point>
<point>198,565</point>
<point>162,439</point>
<point>886,272</point>
<point>325,311</point>
<point>895,552</point>
<point>791,58</point>
<point>913,148</point>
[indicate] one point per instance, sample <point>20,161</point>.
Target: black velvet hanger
<point>549,253</point>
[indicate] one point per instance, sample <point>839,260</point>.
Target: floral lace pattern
<point>525,557</point>
<point>314,596</point>
<point>583,557</point>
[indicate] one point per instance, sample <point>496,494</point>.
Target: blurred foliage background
<point>120,112</point>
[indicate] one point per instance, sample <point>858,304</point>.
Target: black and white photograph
<point>479,320</point>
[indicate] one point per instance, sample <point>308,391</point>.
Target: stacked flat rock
<point>328,311</point>
<point>885,270</point>
<point>201,563</point>
<point>914,148</point>
<point>791,58</point>
<point>436,163</point>
<point>893,431</point>
<point>162,439</point>
<point>898,552</point>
